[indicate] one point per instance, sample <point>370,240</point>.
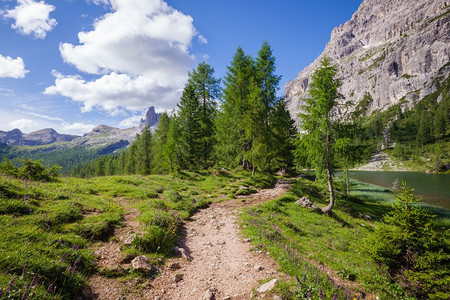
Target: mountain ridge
<point>99,136</point>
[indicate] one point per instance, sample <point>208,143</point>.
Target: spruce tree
<point>283,132</point>
<point>189,118</point>
<point>207,90</point>
<point>161,160</point>
<point>144,152</point>
<point>232,140</point>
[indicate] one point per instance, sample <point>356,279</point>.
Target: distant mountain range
<point>99,137</point>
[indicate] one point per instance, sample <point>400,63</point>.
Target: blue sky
<point>75,64</point>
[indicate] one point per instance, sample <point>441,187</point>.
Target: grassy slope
<point>309,245</point>
<point>47,228</point>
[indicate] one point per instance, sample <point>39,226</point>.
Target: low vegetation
<point>48,227</point>
<point>329,256</point>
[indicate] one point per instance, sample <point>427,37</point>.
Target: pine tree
<point>319,123</point>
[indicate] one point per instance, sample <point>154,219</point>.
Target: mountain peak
<point>151,118</point>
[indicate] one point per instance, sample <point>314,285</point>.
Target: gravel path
<point>221,264</point>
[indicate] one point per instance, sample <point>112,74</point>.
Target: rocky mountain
<point>46,136</point>
<point>105,136</point>
<point>388,52</point>
<point>151,119</point>
<point>99,137</point>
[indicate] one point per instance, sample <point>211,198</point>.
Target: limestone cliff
<point>390,49</point>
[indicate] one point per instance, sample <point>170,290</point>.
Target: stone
<point>141,263</point>
<point>182,252</point>
<point>130,239</point>
<point>210,294</point>
<point>392,50</point>
<point>305,202</point>
<point>220,242</point>
<point>259,268</point>
<point>174,266</point>
<point>267,287</point>
<point>178,277</point>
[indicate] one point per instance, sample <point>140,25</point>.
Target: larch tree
<point>319,123</point>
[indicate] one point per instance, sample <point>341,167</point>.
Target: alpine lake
<point>434,189</point>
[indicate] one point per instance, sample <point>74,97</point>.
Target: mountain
<point>98,137</point>
<point>389,52</point>
<point>46,136</point>
<point>151,119</point>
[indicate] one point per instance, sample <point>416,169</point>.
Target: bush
<point>411,250</point>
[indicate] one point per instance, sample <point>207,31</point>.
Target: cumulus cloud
<point>32,18</point>
<point>131,121</point>
<point>13,68</point>
<point>25,125</point>
<point>140,51</point>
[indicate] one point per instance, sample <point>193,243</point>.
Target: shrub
<point>411,250</point>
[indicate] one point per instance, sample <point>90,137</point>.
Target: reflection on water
<point>433,189</point>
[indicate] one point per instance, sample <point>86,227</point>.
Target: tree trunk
<point>346,180</point>
<point>330,206</point>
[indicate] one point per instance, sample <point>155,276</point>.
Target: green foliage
<point>420,134</point>
<point>321,124</point>
<point>157,239</point>
<point>30,169</point>
<point>411,249</point>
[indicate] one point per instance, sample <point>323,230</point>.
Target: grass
<point>48,229</point>
<point>309,245</point>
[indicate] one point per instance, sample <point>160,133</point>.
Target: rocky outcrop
<point>151,119</point>
<point>387,52</point>
<point>46,136</point>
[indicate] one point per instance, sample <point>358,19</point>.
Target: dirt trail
<point>219,258</point>
<point>110,257</point>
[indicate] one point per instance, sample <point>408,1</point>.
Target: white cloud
<point>13,68</point>
<point>140,51</point>
<point>7,92</point>
<point>202,39</point>
<point>112,91</point>
<point>25,125</point>
<point>45,117</point>
<point>32,18</point>
<point>76,127</point>
<point>131,121</point>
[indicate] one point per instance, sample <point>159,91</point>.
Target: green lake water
<point>432,188</point>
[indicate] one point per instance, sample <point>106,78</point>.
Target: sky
<point>74,64</point>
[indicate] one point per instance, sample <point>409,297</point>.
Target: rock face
<point>151,119</point>
<point>389,51</point>
<point>46,136</point>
